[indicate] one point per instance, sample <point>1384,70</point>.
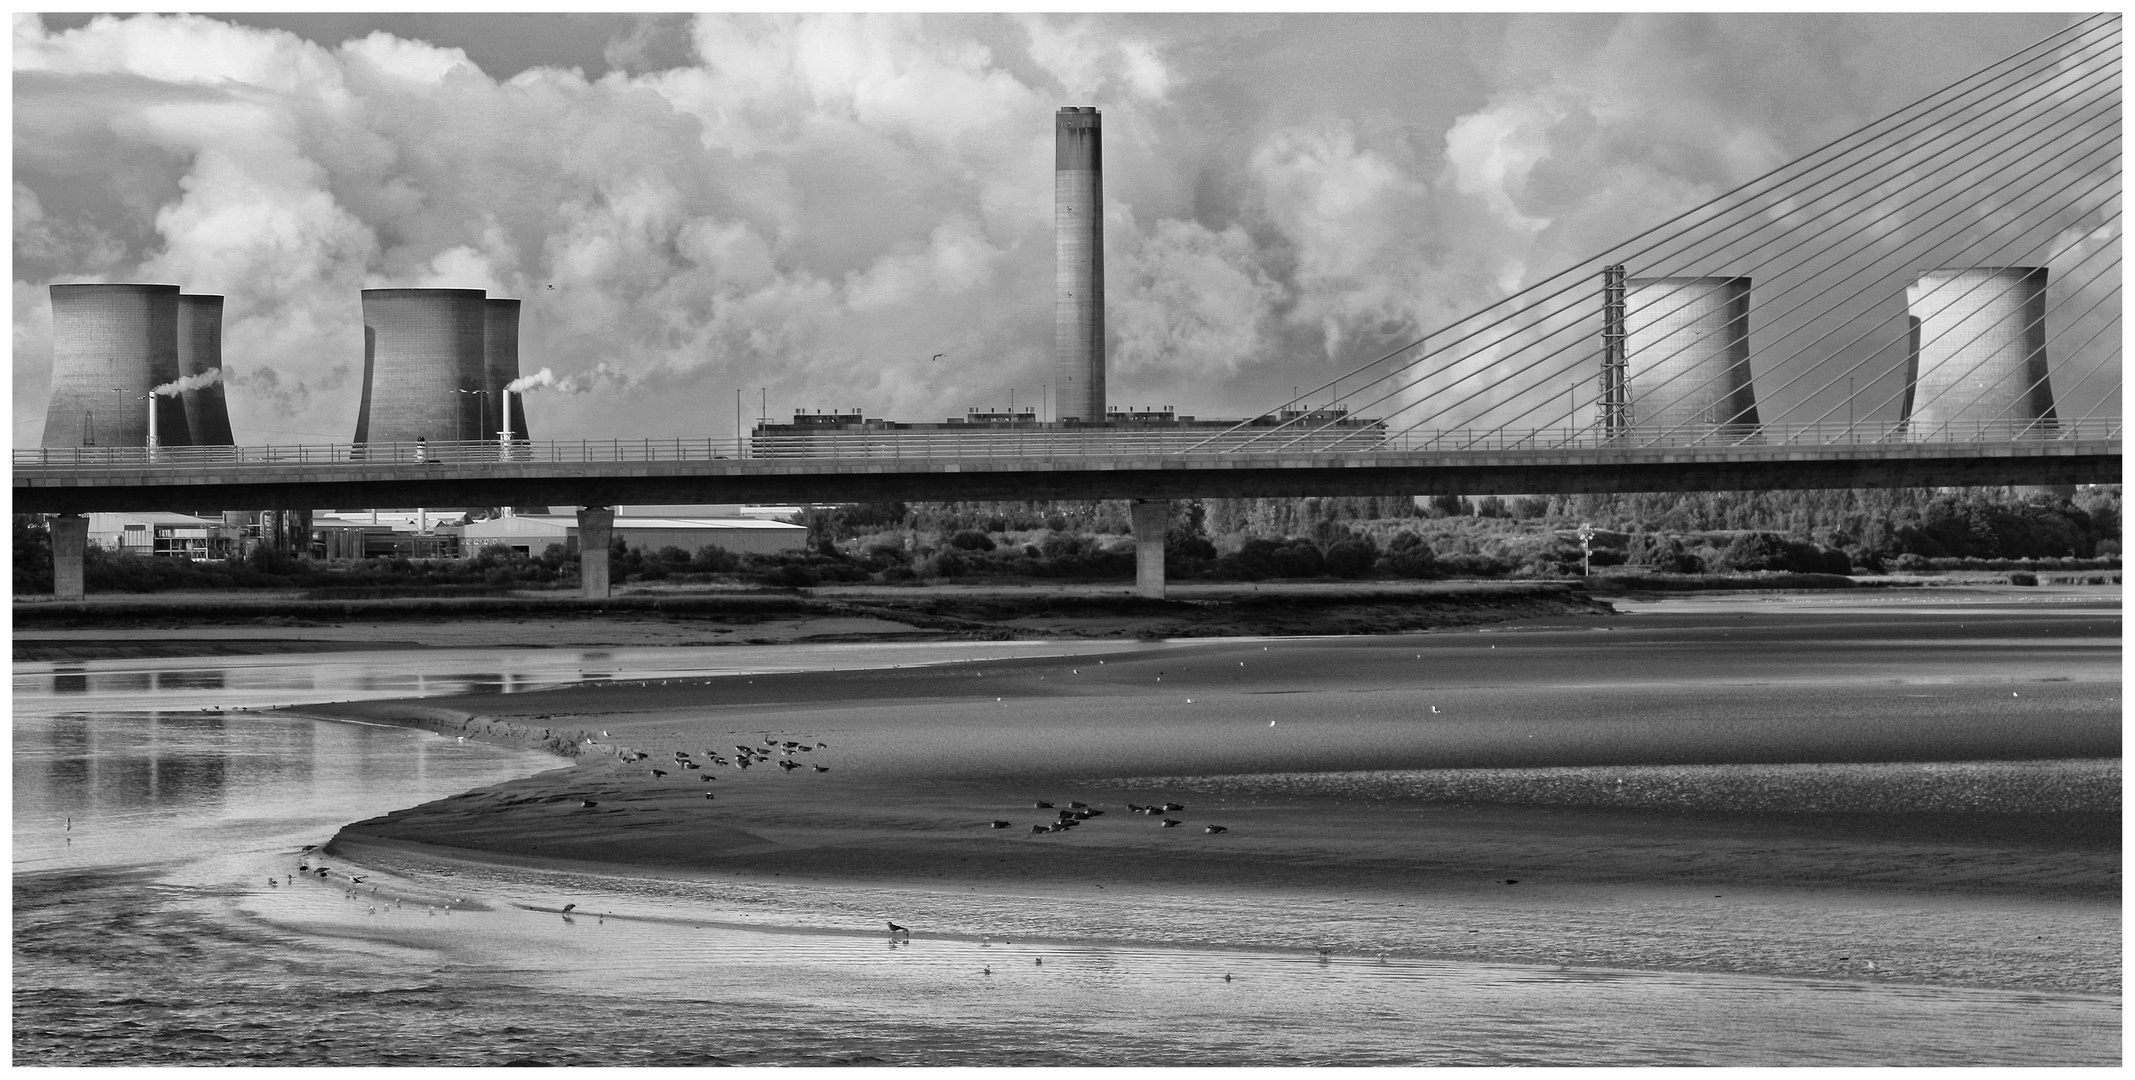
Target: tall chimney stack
<point>1078,264</point>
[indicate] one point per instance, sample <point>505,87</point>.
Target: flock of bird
<point>1079,812</point>
<point>773,751</point>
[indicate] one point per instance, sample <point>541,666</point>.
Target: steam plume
<point>209,377</point>
<point>601,374</point>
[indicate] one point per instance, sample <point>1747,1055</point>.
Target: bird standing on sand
<point>896,930</point>
<point>566,912</point>
<point>272,884</point>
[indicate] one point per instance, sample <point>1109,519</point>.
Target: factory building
<point>531,534</point>
<point>1079,264</point>
<point>1978,353</point>
<point>986,432</point>
<point>111,345</point>
<point>1687,356</point>
<point>207,413</point>
<point>425,365</point>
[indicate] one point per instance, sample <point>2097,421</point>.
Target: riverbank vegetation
<point>1664,540</point>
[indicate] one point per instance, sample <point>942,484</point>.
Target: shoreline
<point>168,626</point>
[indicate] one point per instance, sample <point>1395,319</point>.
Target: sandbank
<point>2002,873</point>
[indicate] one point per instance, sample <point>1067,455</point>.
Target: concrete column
<point>596,526</point>
<point>70,545</point>
<point>1150,517</point>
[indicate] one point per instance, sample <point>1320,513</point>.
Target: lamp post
<point>1586,546</point>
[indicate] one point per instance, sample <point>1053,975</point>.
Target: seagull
<point>657,772</point>
<point>1171,823</point>
<point>358,879</point>
<point>937,356</point>
<point>1434,708</point>
<point>587,803</point>
<point>1214,829</point>
<point>822,768</point>
<point>1077,805</point>
<point>709,795</point>
<point>997,825</point>
<point>1171,808</point>
<point>1038,829</point>
<point>1043,805</point>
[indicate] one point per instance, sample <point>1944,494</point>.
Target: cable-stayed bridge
<point>1933,299</point>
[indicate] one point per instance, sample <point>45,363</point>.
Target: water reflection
<point>95,786</point>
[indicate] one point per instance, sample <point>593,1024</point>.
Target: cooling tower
<point>500,363</point>
<point>421,347</point>
<point>207,415</point>
<point>1687,346</point>
<point>111,344</point>
<point>1982,351</point>
<point>1078,265</point>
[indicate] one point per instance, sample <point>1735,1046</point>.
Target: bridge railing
<point>1051,443</point>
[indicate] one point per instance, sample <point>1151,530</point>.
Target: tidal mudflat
<point>1721,833</point>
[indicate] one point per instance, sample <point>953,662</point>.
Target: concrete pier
<point>1150,517</point>
<point>70,545</point>
<point>596,526</point>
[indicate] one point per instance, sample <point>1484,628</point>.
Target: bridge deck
<point>651,472</point>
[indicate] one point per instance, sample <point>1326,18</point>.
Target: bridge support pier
<point>70,545</point>
<point>1150,517</point>
<point>596,527</point>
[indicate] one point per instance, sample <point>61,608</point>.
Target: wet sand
<point>1432,795</point>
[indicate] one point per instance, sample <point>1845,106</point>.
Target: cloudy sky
<point>818,205</point>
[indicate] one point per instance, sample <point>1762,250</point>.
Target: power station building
<point>1687,356</point>
<point>113,346</point>
<point>1978,353</point>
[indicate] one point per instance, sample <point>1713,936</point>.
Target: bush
<point>1467,565</point>
<point>2023,579</point>
<point>794,576</point>
<point>971,540</point>
<point>1350,558</point>
<point>1448,506</point>
<point>267,559</point>
<point>1408,556</point>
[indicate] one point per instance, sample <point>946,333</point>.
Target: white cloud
<point>818,204</point>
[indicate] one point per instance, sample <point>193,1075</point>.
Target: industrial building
<point>531,534</point>
<point>984,432</point>
<point>1978,352</point>
<point>191,536</point>
<point>111,345</point>
<point>1687,356</point>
